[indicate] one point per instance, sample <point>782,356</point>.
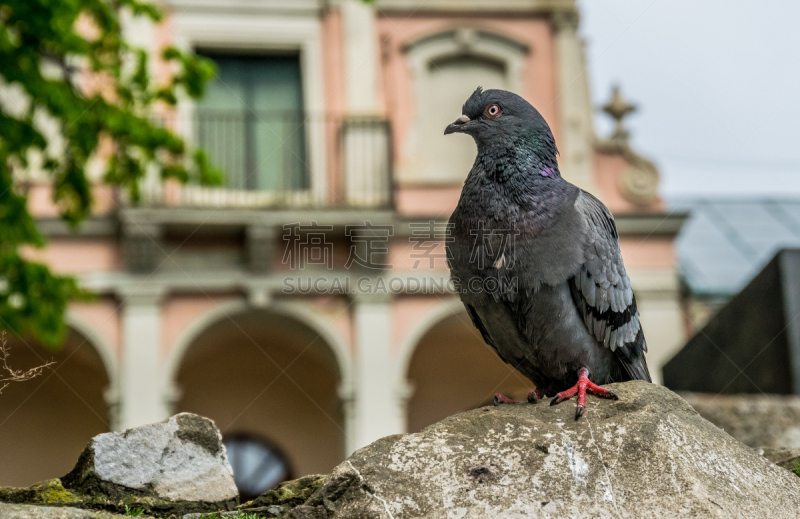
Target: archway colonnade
<point>315,385</point>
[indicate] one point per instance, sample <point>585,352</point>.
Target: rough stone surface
<point>281,501</point>
<point>181,459</point>
<point>786,458</point>
<point>647,455</point>
<point>760,421</point>
<point>47,512</point>
<point>288,494</point>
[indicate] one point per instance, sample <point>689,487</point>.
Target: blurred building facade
<point>724,244</point>
<point>304,305</point>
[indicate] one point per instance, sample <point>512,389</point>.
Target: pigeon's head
<point>501,118</point>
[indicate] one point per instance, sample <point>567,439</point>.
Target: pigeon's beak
<point>457,125</point>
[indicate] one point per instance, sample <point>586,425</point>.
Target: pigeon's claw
<point>583,385</point>
<point>500,398</point>
<point>534,395</point>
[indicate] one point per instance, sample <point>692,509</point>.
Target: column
<point>574,103</point>
<point>365,135</point>
<point>658,300</point>
<point>142,388</point>
<point>377,407</point>
<point>360,57</point>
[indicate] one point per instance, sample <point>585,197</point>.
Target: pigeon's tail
<point>638,370</point>
<point>631,356</point>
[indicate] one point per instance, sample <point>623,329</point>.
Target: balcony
<point>284,160</point>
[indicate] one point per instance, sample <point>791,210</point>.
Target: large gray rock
<point>47,512</point>
<point>647,455</point>
<point>760,421</point>
<point>176,465</point>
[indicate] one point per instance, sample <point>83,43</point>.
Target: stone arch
<point>300,313</point>
<point>274,371</point>
<point>448,368</point>
<point>446,67</point>
<point>46,422</point>
<point>431,319</point>
<point>100,344</point>
<point>469,41</point>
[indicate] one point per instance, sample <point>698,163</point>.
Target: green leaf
<point>35,33</point>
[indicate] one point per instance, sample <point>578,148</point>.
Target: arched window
<point>257,464</point>
<point>447,67</point>
<point>45,423</point>
<point>268,373</point>
<point>452,370</point>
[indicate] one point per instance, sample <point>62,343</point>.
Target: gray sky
<point>718,88</point>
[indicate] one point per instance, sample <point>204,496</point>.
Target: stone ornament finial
<point>618,108</point>
<point>639,183</point>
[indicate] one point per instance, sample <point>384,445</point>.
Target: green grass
<point>797,467</point>
<point>133,512</point>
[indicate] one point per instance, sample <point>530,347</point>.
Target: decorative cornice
<point>242,281</point>
<point>466,38</point>
<point>99,227</point>
<point>659,223</point>
<point>653,225</point>
<point>274,7</point>
<point>142,294</point>
<point>482,6</point>
<point>238,217</point>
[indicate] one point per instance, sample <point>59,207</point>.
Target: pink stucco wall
<point>409,254</point>
<point>337,313</point>
<point>433,201</point>
<point>407,314</point>
<point>78,255</point>
<point>539,85</point>
<point>40,200</point>
<point>333,73</point>
<point>608,169</point>
<point>180,312</point>
<point>103,316</point>
<point>647,252</point>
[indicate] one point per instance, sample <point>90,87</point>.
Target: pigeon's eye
<point>493,110</point>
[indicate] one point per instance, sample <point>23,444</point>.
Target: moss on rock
<point>107,497</point>
<point>49,492</point>
<point>286,496</point>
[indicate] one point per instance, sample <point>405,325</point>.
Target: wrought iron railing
<point>273,159</point>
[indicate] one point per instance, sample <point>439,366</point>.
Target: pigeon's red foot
<point>534,395</point>
<point>583,385</point>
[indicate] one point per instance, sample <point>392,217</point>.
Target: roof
<point>726,242</point>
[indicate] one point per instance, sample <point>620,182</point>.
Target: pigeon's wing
<point>476,320</point>
<point>602,290</point>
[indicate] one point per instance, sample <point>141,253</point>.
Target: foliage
<point>73,89</point>
<point>133,512</point>
<point>797,467</point>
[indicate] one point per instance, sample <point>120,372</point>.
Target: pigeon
<point>536,260</point>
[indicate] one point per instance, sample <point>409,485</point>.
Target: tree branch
<point>9,375</point>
